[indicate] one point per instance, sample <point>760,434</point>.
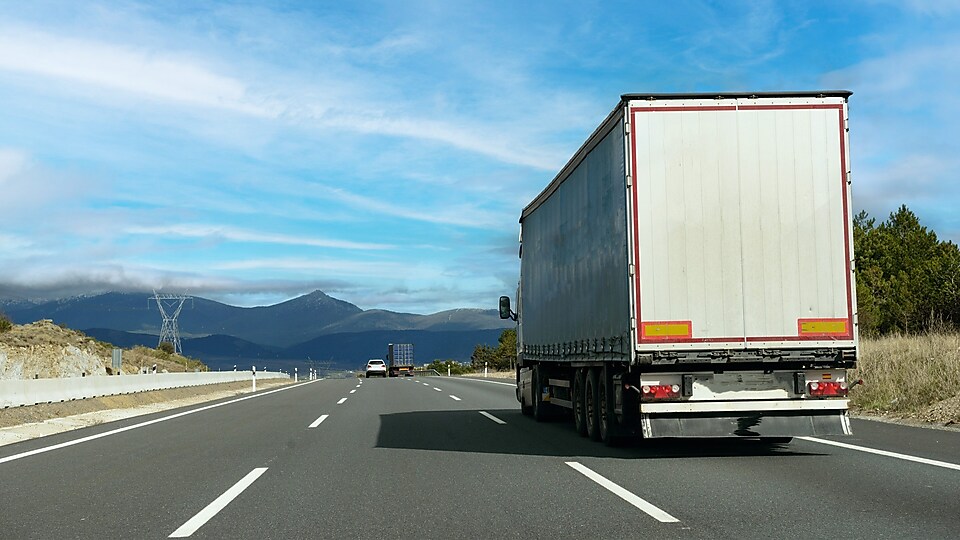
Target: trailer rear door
<point>741,223</point>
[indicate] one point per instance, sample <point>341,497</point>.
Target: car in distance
<point>376,368</point>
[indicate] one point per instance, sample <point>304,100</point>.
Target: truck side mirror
<point>505,311</point>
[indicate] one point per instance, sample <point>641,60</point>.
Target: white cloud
<point>10,242</point>
<point>386,270</point>
<point>12,163</point>
<point>217,232</point>
<point>468,215</point>
<point>180,78</point>
<point>162,76</point>
<point>25,186</point>
<point>903,134</point>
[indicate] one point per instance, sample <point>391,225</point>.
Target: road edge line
<point>886,453</point>
<point>88,438</point>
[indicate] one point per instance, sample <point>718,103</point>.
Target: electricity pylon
<point>169,330</point>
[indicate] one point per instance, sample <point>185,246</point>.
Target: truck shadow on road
<point>470,431</point>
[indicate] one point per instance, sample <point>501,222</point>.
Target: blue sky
<point>251,152</point>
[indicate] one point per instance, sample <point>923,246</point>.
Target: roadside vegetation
<point>908,300</point>
<point>911,376</point>
<point>5,323</point>
<point>503,357</point>
<point>165,359</point>
<point>456,368</point>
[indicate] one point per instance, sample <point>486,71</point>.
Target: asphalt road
<point>416,458</point>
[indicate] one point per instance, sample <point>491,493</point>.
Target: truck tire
<point>541,410</point>
<point>525,409</point>
<point>606,418</point>
<point>592,404</point>
<point>579,406</point>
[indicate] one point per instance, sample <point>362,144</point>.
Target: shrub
<point>166,347</point>
<point>5,323</point>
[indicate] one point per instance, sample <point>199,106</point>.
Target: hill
<point>281,325</point>
<point>347,350</point>
<point>45,350</point>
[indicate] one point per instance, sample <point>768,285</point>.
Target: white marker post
<point>254,371</point>
<point>448,371</point>
<point>484,370</point>
<point>296,374</point>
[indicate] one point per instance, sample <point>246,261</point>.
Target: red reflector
<point>827,389</point>
<point>659,391</point>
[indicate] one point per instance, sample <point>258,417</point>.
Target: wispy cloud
<point>383,150</point>
<point>903,123</point>
<point>222,233</point>
<point>182,79</point>
<point>156,74</point>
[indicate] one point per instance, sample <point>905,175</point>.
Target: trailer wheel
<point>525,409</point>
<point>541,410</point>
<point>579,406</point>
<point>592,404</point>
<point>606,418</point>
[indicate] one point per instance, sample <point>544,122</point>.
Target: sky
<point>381,151</point>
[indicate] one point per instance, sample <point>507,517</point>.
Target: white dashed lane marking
<point>318,421</point>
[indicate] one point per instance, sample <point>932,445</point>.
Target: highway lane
<point>402,458</point>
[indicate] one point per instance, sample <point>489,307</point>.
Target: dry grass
<point>909,375</point>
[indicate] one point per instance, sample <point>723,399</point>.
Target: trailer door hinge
<point>632,269</point>
<point>629,180</point>
<point>626,127</point>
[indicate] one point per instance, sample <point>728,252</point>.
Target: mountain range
<point>313,327</point>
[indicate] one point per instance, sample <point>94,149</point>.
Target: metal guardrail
<point>426,372</point>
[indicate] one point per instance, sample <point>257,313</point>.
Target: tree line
<point>908,281</point>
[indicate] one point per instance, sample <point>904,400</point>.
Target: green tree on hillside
<point>907,279</point>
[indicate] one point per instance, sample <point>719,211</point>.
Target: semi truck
<point>400,359</point>
<point>689,272</point>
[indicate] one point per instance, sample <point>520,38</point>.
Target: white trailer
<point>689,272</point>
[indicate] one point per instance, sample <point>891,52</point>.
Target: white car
<point>376,368</point>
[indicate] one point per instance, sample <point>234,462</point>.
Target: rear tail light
<point>659,391</point>
<point>827,389</point>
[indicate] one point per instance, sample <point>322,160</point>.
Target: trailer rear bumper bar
<point>757,423</point>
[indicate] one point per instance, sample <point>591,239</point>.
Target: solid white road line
<point>341,401</point>
<point>492,417</point>
<point>354,390</point>
<point>905,457</point>
<point>643,505</point>
<point>217,505</point>
<point>318,421</point>
<point>454,397</point>
<point>144,424</point>
<point>490,382</point>
<point>437,389</point>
